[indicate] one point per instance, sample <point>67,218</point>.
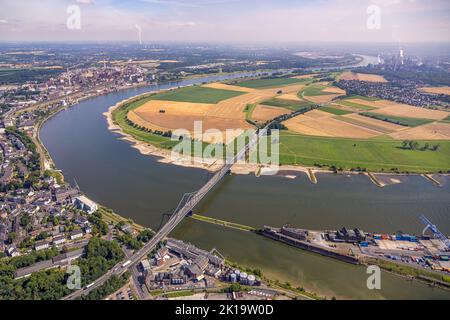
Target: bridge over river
<point>187,203</point>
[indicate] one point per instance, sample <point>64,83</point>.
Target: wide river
<point>116,175</point>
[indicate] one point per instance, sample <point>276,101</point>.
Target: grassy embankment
<point>109,216</point>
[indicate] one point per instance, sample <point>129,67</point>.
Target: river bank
<point>210,164</point>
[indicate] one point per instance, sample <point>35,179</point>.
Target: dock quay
<point>300,238</point>
<point>423,257</point>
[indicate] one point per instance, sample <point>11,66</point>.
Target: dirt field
<point>223,86</point>
<point>328,127</point>
<point>431,131</point>
<point>373,124</point>
<point>264,113</point>
<point>362,77</point>
<point>436,90</point>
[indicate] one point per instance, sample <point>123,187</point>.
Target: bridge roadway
<point>186,205</point>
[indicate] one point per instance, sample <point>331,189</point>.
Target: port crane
<point>436,233</point>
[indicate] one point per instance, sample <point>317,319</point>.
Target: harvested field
<point>431,131</point>
<point>328,127</point>
<point>322,98</point>
<point>362,77</point>
<point>317,114</point>
<point>354,106</point>
<point>264,113</point>
<point>334,90</point>
<point>293,89</point>
<point>234,108</point>
<point>436,90</point>
<point>402,110</point>
<point>289,96</point>
<point>181,115</point>
<point>224,86</point>
<point>289,104</point>
<point>373,124</point>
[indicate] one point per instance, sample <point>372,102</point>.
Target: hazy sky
<point>227,20</point>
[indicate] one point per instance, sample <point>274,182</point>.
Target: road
<point>185,206</point>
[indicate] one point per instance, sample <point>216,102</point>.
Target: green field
<point>447,119</point>
<point>355,105</point>
<point>335,111</point>
<point>403,121</point>
<point>373,155</point>
<point>269,83</point>
<point>361,97</point>
<point>197,94</point>
<point>289,104</point>
<point>314,90</point>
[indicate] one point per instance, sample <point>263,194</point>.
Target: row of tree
<point>414,145</point>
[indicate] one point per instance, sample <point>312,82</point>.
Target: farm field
<point>354,105</point>
<point>328,126</point>
<point>262,113</point>
<point>403,121</point>
<point>348,75</point>
<point>321,93</point>
<point>436,130</point>
<point>373,155</point>
<point>197,94</point>
<point>335,111</point>
<point>290,104</point>
<point>289,96</point>
<point>224,86</point>
<point>402,110</point>
<point>436,90</point>
<point>374,124</point>
<point>270,83</point>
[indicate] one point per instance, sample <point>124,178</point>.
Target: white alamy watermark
<point>374,280</point>
<point>374,20</point>
<point>249,146</point>
<point>73,21</point>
